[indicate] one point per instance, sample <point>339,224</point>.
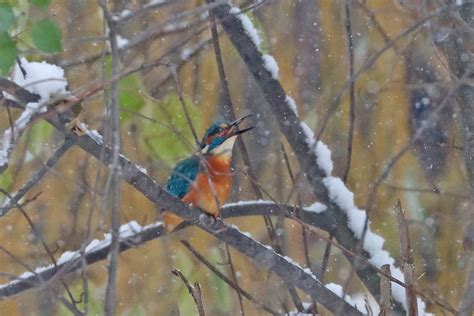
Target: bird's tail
<point>171,221</point>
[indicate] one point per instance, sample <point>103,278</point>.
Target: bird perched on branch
<point>205,178</point>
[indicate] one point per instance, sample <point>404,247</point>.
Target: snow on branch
<point>42,79</point>
<point>261,254</point>
<point>130,234</point>
<point>313,156</point>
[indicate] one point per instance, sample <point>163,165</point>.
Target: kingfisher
<point>205,178</point>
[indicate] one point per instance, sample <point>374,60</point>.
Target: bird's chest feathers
<point>212,186</point>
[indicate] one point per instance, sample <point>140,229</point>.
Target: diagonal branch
<point>297,134</point>
<point>93,143</point>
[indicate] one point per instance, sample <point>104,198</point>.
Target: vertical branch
<point>230,112</point>
<point>234,276</point>
<point>194,290</point>
<point>407,259</point>
<point>232,284</point>
<point>113,113</point>
<point>350,49</point>
<point>467,302</point>
<point>385,292</point>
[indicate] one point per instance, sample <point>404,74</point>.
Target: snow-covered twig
<point>130,234</point>
<point>42,79</point>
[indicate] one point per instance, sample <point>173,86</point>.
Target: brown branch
<point>194,290</point>
<point>291,127</point>
<point>385,293</point>
<point>408,267</point>
<point>223,277</point>
<point>115,173</point>
<point>350,49</point>
<point>37,177</point>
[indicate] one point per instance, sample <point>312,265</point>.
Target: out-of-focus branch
<point>293,130</point>
<point>231,283</point>
<point>93,143</point>
<point>37,177</point>
<point>457,47</point>
<point>115,174</point>
<point>408,265</point>
<point>289,271</point>
<point>194,290</point>
<point>385,293</point>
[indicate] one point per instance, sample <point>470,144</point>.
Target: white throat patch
<point>225,149</point>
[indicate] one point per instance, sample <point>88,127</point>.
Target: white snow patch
<point>142,169</point>
<point>123,14</point>
<point>271,65</point>
<point>46,80</point>
<point>292,104</point>
<point>340,194</point>
<point>316,207</point>
<point>41,78</point>
<point>185,53</point>
<point>92,133</point>
<point>360,300</point>
<point>323,157</point>
<point>154,2</point>
<point>247,234</point>
<point>121,41</point>
<point>126,231</point>
<point>321,151</point>
<point>241,203</point>
<point>337,289</point>
<point>248,26</point>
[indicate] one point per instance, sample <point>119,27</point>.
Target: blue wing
<point>182,176</point>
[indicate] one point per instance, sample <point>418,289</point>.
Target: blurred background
<point>309,40</point>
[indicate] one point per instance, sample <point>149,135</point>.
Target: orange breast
<point>211,188</point>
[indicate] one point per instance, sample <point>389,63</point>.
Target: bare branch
<point>407,259</point>
<point>385,293</point>
<point>113,115</point>
<point>231,283</point>
<point>37,177</point>
<point>194,290</point>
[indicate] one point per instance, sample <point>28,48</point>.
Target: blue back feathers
<point>183,175</point>
<point>185,171</point>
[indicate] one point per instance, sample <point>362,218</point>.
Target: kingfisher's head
<point>220,137</point>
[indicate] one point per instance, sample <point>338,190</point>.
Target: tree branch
<point>296,134</point>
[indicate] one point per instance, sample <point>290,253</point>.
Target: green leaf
<point>39,135</point>
<point>6,180</point>
<point>6,17</point>
<point>40,3</point>
<point>130,97</point>
<point>46,36</point>
<point>7,52</point>
<point>165,142</point>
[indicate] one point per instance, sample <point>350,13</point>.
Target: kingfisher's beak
<point>234,129</point>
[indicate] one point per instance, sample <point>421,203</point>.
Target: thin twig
<point>408,267</point>
<point>386,305</point>
<point>234,276</point>
<point>350,50</point>
<point>115,168</point>
<point>231,283</point>
<point>37,177</point>
<point>194,290</point>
